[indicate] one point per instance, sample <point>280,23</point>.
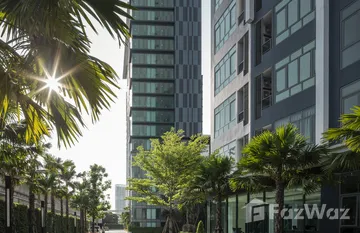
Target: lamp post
<point>8,204</point>
<point>42,216</point>
<point>75,222</point>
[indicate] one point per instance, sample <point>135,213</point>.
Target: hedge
<point>20,216</point>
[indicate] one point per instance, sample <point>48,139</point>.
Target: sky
<point>104,142</point>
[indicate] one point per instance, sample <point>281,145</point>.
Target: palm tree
<point>349,135</point>
<point>279,159</point>
<point>68,174</point>
<point>56,34</point>
<point>47,182</point>
<point>213,178</point>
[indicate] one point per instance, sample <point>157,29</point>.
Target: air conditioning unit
<point>249,11</point>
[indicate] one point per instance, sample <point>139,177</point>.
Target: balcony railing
<point>266,45</point>
<point>241,116</point>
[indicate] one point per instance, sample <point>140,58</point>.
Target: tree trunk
<point>218,227</point>
<point>12,192</point>
<point>45,208</point>
<point>85,222</point>
<point>81,221</point>
<point>53,212</point>
<point>31,211</point>
<point>67,214</point>
<point>62,214</point>
<point>93,224</point>
<point>279,199</point>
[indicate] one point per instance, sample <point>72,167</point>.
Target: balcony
<point>266,46</point>
<point>241,117</point>
<point>240,67</point>
<point>241,18</point>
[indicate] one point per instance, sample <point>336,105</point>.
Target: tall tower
<point>163,69</point>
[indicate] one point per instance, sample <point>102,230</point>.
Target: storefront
<point>234,213</point>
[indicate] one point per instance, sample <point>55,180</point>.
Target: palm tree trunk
<point>81,221</point>
<point>279,199</point>
<point>45,207</point>
<point>85,222</point>
<point>93,224</point>
<point>12,192</point>
<point>218,227</point>
<point>31,210</point>
<point>67,214</point>
<point>52,212</point>
<point>62,214</point>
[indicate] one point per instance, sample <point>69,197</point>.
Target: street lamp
<point>42,216</point>
<point>8,204</point>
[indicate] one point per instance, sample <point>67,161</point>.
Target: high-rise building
<point>163,69</point>
<point>281,61</point>
<point>120,194</point>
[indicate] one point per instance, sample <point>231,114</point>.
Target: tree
<point>125,218</point>
<point>213,178</point>
<point>81,200</point>
<point>169,167</point>
<point>68,174</point>
<point>111,218</point>
<point>349,135</point>
<point>96,185</point>
<point>49,49</point>
<point>279,159</point>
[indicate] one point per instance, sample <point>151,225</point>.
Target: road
<point>116,231</point>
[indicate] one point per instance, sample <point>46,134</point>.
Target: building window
<point>243,105</point>
<point>350,34</point>
<point>242,142</point>
<point>225,26</point>
<point>231,211</point>
<point>263,32</point>
<point>152,88</point>
<point>153,116</point>
<point>243,55</point>
<point>153,3</point>
<point>350,97</point>
<point>152,73</point>
<point>152,59</point>
<point>304,121</point>
<point>224,115</point>
<point>263,129</point>
<point>225,70</point>
<point>150,130</point>
<point>263,98</point>
<point>153,101</point>
<point>158,44</point>
<point>291,16</point>
<point>150,214</point>
<point>152,30</point>
<point>153,15</point>
<point>145,143</point>
<point>295,73</point>
<point>229,150</point>
<point>217,4</point>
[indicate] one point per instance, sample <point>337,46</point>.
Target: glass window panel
<point>305,7</point>
<point>350,102</point>
<point>232,110</point>
<point>293,12</point>
<point>351,88</point>
<point>351,32</point>
<point>281,21</point>
<point>293,73</point>
<point>231,214</point>
<point>350,203</point>
<point>281,80</point>
<point>305,67</point>
<point>351,55</point>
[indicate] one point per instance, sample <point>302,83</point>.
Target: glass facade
<point>225,26</point>
<point>153,101</point>
<point>153,15</point>
<point>141,142</point>
<point>152,30</point>
<point>225,115</point>
<point>350,97</point>
<point>295,73</point>
<point>152,88</point>
<point>294,199</point>
<point>218,3</point>
<point>229,150</point>
<point>292,15</point>
<point>153,3</point>
<point>152,59</point>
<point>152,73</point>
<point>304,121</point>
<point>149,130</point>
<point>159,44</point>
<point>225,70</point>
<point>350,34</point>
<point>153,116</point>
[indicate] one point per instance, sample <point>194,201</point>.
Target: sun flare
<point>52,83</point>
